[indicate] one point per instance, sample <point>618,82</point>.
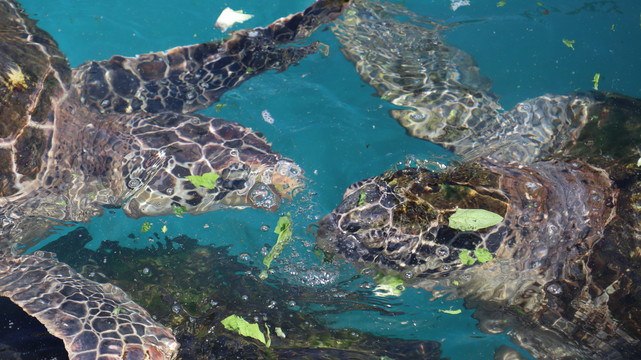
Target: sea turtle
<point>122,133</point>
<point>561,269</point>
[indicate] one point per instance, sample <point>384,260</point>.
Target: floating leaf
<point>179,210</point>
<point>230,17</point>
<point>473,219</point>
<point>361,200</point>
<point>284,231</point>
<point>207,180</point>
<point>164,229</point>
<point>451,312</point>
<point>146,226</point>
<point>595,80</point>
<point>569,43</point>
<point>483,255</point>
<point>280,333</point>
<point>237,324</point>
<point>466,259</point>
<point>388,285</point>
<point>218,107</point>
<point>500,3</point>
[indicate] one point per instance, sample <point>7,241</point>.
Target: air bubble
<point>146,271</point>
<point>291,303</point>
<point>554,289</point>
<point>442,252</point>
<point>264,251</point>
<point>244,297</point>
<point>244,257</point>
<point>176,309</point>
<point>264,228</point>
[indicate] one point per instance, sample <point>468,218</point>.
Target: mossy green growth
<point>284,231</point>
<point>237,324</point>
<point>146,226</point>
<point>473,219</point>
<point>361,199</point>
<point>207,180</point>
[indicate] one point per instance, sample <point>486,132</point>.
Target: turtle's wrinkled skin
<point>121,133</point>
<point>562,170</point>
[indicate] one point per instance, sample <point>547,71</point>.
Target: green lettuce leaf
<point>207,180</point>
<point>237,324</point>
<point>473,219</point>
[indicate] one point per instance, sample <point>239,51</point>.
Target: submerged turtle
<point>121,133</point>
<point>562,268</point>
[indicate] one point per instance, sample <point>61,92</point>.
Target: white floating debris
<point>267,116</point>
<point>229,17</point>
<point>458,3</point>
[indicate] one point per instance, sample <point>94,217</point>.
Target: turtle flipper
<point>92,319</point>
<point>191,78</point>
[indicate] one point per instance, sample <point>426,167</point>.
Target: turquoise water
<point>327,120</point>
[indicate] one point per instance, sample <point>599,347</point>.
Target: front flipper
<point>191,78</point>
<point>93,320</point>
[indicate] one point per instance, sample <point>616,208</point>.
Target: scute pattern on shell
<point>94,320</point>
<point>32,70</point>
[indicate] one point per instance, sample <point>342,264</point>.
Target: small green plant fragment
<point>116,311</point>
<point>241,326</point>
<point>455,282</point>
<point>473,219</point>
<point>466,259</point>
<point>612,27</point>
<point>569,43</point>
<point>500,3</point>
<point>146,226</point>
<point>61,203</point>
<point>249,70</point>
<point>207,180</point>
<point>388,285</point>
<point>179,210</point>
<point>75,176</point>
<point>280,333</point>
<point>482,255</point>
<point>284,231</point>
<point>451,312</point>
<point>385,97</point>
<point>219,107</point>
<point>595,81</point>
<point>361,200</point>
<point>164,229</point>
<point>92,196</point>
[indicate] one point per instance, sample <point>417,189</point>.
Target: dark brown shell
<point>32,71</point>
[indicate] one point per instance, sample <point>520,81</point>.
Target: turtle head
<point>401,221</point>
<point>190,188</point>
